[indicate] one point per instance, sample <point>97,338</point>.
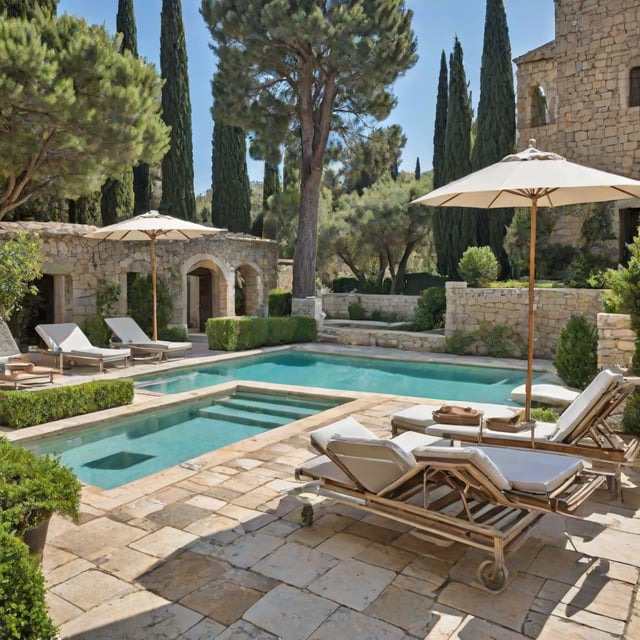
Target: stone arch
<point>209,290</point>
<point>539,112</point>
<point>253,289</point>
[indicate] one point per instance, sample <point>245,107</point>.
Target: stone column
<point>310,306</point>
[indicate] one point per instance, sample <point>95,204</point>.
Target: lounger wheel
<point>492,578</point>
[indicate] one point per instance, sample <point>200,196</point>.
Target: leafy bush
<point>33,487</point>
<point>279,303</point>
<point>26,408</point>
<point>140,302</point>
<point>97,331</point>
<point>357,311</point>
<point>23,609</point>
<point>431,309</point>
<point>544,414</point>
<point>173,333</point>
<point>459,342</point>
<point>478,266</point>
<point>416,283</point>
<point>587,270</point>
<point>344,284</point>
<point>500,340</point>
<point>239,334</point>
<point>576,361</point>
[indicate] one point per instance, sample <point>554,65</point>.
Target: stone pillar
<point>310,306</point>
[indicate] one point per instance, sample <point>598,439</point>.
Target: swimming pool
<point>349,373</point>
<point>127,449</point>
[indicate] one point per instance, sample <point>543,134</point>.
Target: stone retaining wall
<point>336,305</point>
<point>616,340</point>
<point>405,340</point>
<point>468,308</point>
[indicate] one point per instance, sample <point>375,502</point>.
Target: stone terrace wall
<point>336,305</point>
<point>616,340</point>
<point>467,308</point>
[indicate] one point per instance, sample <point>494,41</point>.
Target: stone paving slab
<point>187,557</point>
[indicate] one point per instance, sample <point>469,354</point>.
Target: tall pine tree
<point>178,196</point>
<point>496,126</point>
<point>458,224</point>
<point>266,225</point>
<point>27,8</point>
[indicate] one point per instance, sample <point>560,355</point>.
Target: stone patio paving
<point>216,549</point>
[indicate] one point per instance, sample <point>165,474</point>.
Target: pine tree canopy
<point>308,67</point>
<point>28,8</point>
<point>78,110</point>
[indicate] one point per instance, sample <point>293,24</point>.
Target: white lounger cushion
<point>584,403</point>
<point>543,431</point>
<point>129,331</point>
<point>421,415</point>
<point>68,338</point>
<point>511,469</point>
<point>553,394</point>
<point>349,427</point>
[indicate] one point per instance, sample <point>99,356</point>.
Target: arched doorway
<point>249,297</point>
<point>206,295</point>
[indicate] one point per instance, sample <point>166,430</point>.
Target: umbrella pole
<point>153,288</point>
<point>532,277</point>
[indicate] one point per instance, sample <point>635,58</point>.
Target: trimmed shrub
<point>344,284</point>
<point>576,359</point>
<point>174,334</point>
<point>478,266</point>
<point>280,331</point>
<point>306,329</point>
<point>23,609</point>
<point>431,309</point>
<point>20,409</point>
<point>239,334</point>
<point>279,303</point>
<point>357,311</point>
<point>416,283</point>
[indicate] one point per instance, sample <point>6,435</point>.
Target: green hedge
<point>279,303</point>
<point>242,333</point>
<point>26,408</point>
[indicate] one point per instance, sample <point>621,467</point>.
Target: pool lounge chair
<point>129,333</point>
<point>582,428</point>
<point>546,393</point>
<point>484,497</point>
<point>71,344</point>
<point>16,369</point>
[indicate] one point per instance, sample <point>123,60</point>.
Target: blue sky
<point>435,23</point>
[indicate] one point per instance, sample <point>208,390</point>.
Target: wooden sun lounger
<point>484,497</point>
<point>583,429</point>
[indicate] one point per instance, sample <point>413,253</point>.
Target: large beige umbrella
<point>149,227</point>
<point>532,178</point>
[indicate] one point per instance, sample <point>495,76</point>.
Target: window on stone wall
<point>539,110</point>
<point>634,87</point>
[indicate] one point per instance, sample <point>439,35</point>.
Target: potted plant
<point>32,489</point>
<point>23,608</point>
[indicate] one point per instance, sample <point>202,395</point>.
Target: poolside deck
<point>215,549</point>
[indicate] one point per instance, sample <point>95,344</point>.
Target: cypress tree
<point>416,173</point>
<point>117,201</point>
<point>439,132</point>
<point>496,126</point>
<point>230,189</point>
<point>126,25</point>
<point>458,224</point>
<point>440,128</point>
<point>178,195</point>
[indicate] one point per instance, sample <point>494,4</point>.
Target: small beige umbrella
<point>151,226</point>
<point>532,178</point>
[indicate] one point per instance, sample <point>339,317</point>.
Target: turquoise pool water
<point>432,380</point>
<point>110,455</point>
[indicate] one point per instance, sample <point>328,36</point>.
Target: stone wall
<point>468,308</point>
<point>79,265</point>
<point>405,340</point>
<point>336,305</point>
<point>616,340</point>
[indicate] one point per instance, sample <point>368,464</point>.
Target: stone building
<point>579,96</point>
<point>201,274</point>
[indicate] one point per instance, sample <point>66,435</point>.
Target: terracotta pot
<point>36,538</point>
